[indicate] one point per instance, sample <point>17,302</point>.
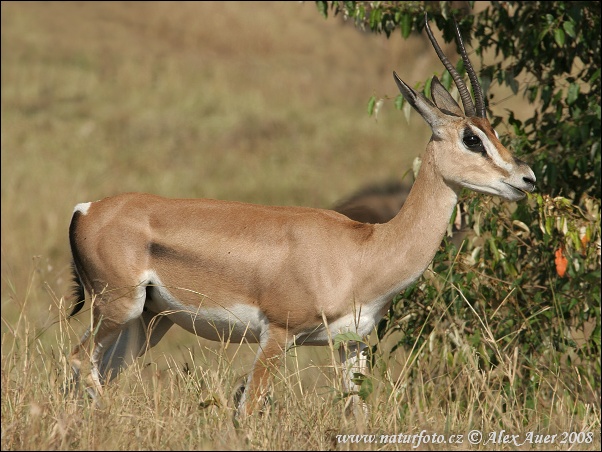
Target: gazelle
<point>277,276</point>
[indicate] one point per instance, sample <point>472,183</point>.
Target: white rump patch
<point>82,208</point>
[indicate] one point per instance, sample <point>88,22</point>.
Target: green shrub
<point>525,285</point>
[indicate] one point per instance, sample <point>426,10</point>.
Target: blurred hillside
<point>262,102</point>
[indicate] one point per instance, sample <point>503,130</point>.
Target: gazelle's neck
<point>404,247</point>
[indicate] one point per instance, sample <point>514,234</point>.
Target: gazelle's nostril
<point>529,180</point>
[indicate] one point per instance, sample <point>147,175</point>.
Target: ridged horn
<point>469,108</point>
<point>472,75</point>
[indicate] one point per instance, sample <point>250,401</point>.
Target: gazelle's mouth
<point>522,192</point>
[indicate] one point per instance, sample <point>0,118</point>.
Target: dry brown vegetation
<point>258,102</point>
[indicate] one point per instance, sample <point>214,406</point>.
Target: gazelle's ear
<point>443,99</point>
<point>428,110</point>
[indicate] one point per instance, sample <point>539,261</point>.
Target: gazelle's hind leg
<point>101,339</point>
<point>133,341</point>
<point>75,361</point>
<point>119,337</point>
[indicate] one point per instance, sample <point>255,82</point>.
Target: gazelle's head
<point>466,149</point>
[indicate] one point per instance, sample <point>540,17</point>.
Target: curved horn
<point>474,81</point>
<point>469,109</point>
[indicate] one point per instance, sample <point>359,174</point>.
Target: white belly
<point>234,322</point>
<point>361,322</point>
<point>240,321</point>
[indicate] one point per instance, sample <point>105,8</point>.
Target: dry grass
<point>261,103</point>
<point>182,399</point>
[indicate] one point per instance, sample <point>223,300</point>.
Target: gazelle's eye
<point>473,143</point>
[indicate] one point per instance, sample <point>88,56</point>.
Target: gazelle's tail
<point>78,286</point>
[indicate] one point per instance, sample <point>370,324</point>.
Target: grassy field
<point>258,102</point>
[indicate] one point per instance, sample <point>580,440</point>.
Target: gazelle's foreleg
<point>269,356</point>
<point>353,361</point>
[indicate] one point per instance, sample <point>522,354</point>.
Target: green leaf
<point>550,225</point>
<point>446,80</point>
<point>493,249</point>
<point>366,388</point>
<point>427,87</point>
<point>532,93</point>
<point>322,8</point>
<point>371,104</point>
<point>511,82</point>
<point>546,96</point>
<point>573,93</point>
<point>358,378</point>
<point>406,25</point>
<point>375,16</point>
<point>399,101</point>
<point>346,337</point>
<point>569,29</point>
<point>559,37</point>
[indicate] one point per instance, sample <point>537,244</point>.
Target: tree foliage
<point>528,275</point>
